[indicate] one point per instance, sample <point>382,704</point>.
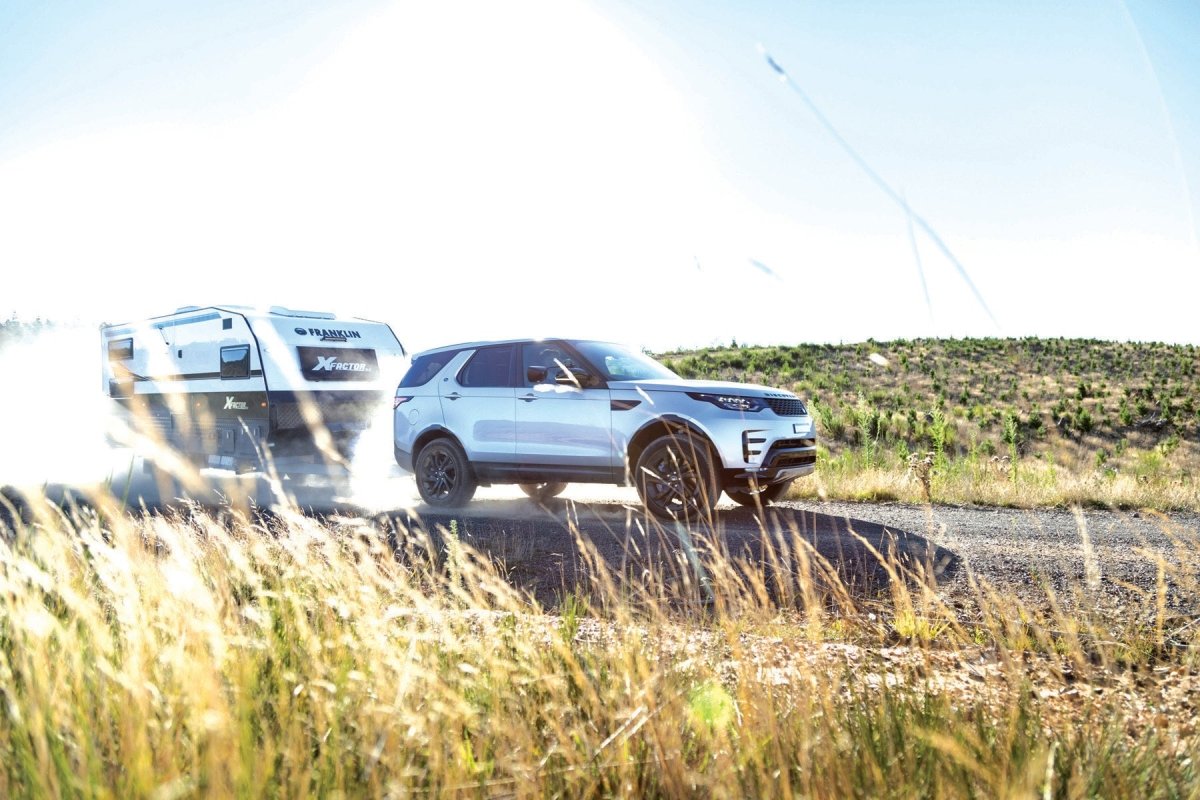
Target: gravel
<point>1027,551</point>
<point>1121,556</point>
<point>1105,555</point>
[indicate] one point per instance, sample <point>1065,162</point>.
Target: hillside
<point>1112,422</point>
<point>14,329</point>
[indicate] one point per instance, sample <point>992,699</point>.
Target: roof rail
<point>293,312</point>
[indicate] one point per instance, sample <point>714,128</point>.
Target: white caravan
<point>234,386</point>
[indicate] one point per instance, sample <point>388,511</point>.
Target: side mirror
<point>535,374</point>
<point>575,377</point>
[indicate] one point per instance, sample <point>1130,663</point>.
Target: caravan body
<point>234,386</point>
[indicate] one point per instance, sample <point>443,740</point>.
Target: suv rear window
<point>490,366</point>
<point>425,367</point>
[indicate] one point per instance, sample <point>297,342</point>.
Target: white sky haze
<point>627,171</point>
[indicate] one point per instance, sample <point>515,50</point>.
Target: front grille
<point>789,444</point>
<point>791,453</point>
<point>787,406</point>
<point>794,459</point>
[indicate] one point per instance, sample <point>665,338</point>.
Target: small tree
<point>1012,438</point>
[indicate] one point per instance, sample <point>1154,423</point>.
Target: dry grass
<point>1035,485</point>
<point>196,655</point>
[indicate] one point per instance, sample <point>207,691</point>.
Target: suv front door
<point>561,423</point>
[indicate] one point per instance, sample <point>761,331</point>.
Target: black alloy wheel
<point>676,479</point>
<point>444,476</point>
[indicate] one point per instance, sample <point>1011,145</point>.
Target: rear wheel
<point>444,476</point>
<point>676,479</point>
<point>543,491</point>
<point>745,497</point>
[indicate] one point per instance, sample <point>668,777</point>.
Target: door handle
<point>528,398</point>
<point>453,396</point>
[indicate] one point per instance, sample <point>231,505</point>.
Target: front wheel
<point>676,479</point>
<point>444,476</point>
<point>543,491</point>
<point>745,497</point>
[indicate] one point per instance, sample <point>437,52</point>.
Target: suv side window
<point>554,357</point>
<point>490,366</point>
<point>425,368</point>
<point>543,354</point>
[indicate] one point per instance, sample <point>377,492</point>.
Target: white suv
<point>545,412</point>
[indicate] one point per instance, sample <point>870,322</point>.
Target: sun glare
<point>535,145</point>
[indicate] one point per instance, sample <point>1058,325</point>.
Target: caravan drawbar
<point>233,386</point>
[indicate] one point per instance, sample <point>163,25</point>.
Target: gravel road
<point>1056,547</point>
<point>1116,554</point>
<point>1110,553</point>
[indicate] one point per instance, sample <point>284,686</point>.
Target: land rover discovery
<point>542,413</point>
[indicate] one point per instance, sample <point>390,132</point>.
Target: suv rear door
<point>478,403</point>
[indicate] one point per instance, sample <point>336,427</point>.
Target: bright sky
<point>635,171</point>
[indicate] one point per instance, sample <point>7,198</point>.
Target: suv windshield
<point>620,363</point>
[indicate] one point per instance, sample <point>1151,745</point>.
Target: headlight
<point>731,402</point>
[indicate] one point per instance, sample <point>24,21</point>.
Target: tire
<point>444,476</point>
<point>745,497</point>
<point>675,478</point>
<point>542,492</point>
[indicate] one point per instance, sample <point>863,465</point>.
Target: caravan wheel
<point>745,496</point>
<point>542,492</point>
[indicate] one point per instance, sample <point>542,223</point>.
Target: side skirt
<point>496,472</point>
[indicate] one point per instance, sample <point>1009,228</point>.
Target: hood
<point>716,387</point>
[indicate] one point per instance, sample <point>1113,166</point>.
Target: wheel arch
<point>666,425</point>
<point>435,432</point>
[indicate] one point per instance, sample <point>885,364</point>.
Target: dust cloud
<point>54,417</point>
<point>61,434</point>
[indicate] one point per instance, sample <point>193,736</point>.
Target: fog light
<point>748,442</point>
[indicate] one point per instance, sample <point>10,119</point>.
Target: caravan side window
<point>235,361</point>
<point>120,349</point>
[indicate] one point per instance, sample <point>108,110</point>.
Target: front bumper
<point>785,460</point>
<point>765,449</point>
